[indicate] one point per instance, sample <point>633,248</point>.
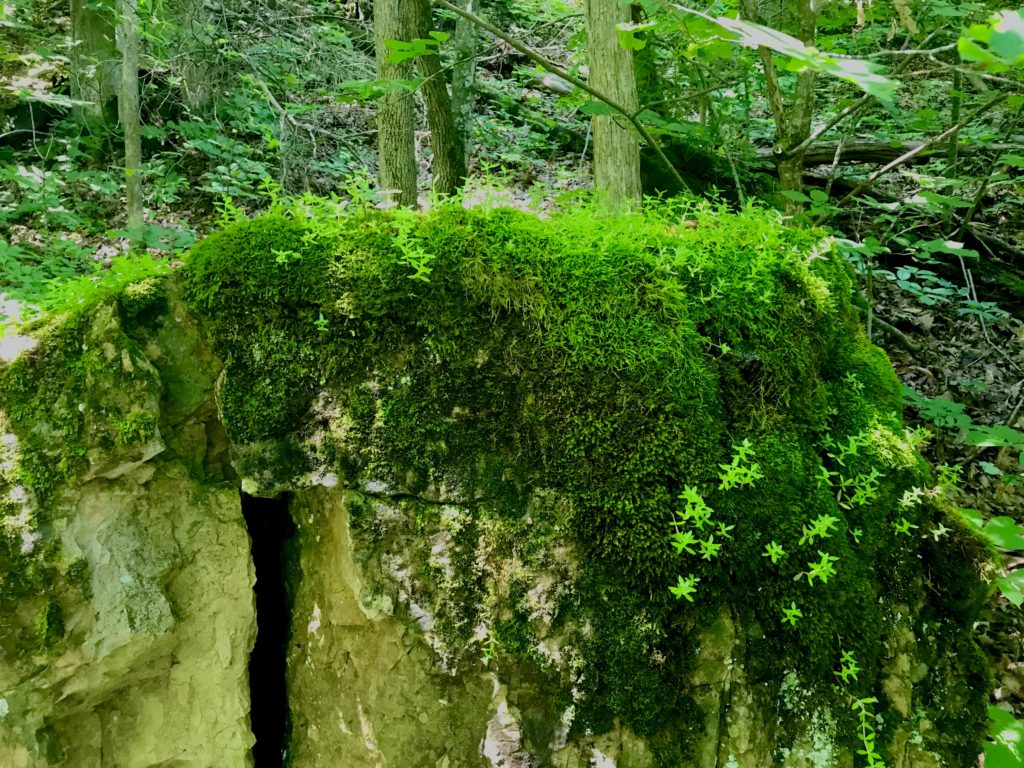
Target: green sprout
<point>683,541</point>
<point>696,509</point>
<point>775,551</point>
<point>848,668</point>
<point>709,549</point>
<point>685,587</point>
<point>822,569</point>
<point>821,528</point>
<point>792,615</point>
<point>903,526</point>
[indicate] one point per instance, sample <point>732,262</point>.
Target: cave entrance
<point>272,533</point>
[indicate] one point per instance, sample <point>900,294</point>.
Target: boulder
<point>580,490</point>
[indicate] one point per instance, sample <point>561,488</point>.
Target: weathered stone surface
<point>152,671</point>
<point>145,579</point>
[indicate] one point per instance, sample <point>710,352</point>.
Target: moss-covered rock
<point>125,576</point>
<point>507,437</point>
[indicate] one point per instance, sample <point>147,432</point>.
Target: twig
<point>853,108</point>
<point>906,157</point>
<point>554,69</point>
<point>895,333</point>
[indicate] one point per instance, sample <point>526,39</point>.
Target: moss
<point>142,296</point>
<point>615,361</point>
<point>50,624</point>
<point>137,428</point>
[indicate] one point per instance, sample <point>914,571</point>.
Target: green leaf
<point>998,436</point>
<point>596,108</point>
<point>866,75</point>
<point>1014,161</point>
<point>971,51</point>
<point>1006,750</point>
<point>1012,586</point>
<point>1007,39</point>
<point>1004,533</point>
<point>627,35</point>
<point>973,518</point>
<point>990,468</point>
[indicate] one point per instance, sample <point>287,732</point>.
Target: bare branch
<point>908,156</point>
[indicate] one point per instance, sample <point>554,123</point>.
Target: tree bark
<point>793,120</point>
<point>395,20</point>
<point>94,61</point>
<point>464,77</point>
<point>129,112</point>
<point>449,166</point>
<point>616,144</point>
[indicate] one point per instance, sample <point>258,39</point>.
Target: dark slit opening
<point>271,530</point>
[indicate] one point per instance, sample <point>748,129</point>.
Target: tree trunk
<point>464,77</point>
<point>129,111</point>
<point>792,121</point>
<point>94,61</point>
<point>449,166</point>
<point>395,20</point>
<point>616,144</point>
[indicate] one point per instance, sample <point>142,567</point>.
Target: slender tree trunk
<point>464,77</point>
<point>449,167</point>
<point>395,20</point>
<point>792,121</point>
<point>94,61</point>
<point>616,144</point>
<point>129,111</point>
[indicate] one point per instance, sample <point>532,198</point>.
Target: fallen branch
<point>866,151</point>
<point>908,156</point>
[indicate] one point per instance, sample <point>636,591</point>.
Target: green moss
<point>142,296</point>
<point>50,624</point>
<point>137,428</point>
<point>615,361</point>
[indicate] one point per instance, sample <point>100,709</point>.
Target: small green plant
<point>866,732</point>
<point>286,257</point>
<point>742,470</point>
<point>903,527</point>
<point>848,668</point>
<point>791,615</point>
<point>823,569</point>
<point>683,541</point>
<point>685,587</point>
<point>695,510</point>
<point>774,551</point>
<point>709,548</point>
<point>413,252</point>
<point>135,429</point>
<point>821,528</point>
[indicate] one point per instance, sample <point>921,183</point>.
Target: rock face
<point>132,588</point>
<point>501,441</point>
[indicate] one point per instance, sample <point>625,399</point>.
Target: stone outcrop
<point>130,648</point>
<point>486,473</point>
